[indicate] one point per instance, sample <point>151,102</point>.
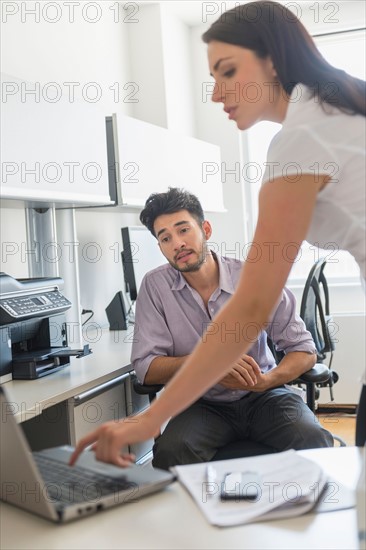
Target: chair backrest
<point>314,309</point>
<point>361,419</point>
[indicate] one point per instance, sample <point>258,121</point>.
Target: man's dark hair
<point>168,203</point>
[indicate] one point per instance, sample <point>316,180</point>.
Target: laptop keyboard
<point>67,485</point>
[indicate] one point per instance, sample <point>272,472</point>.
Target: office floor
<point>341,424</point>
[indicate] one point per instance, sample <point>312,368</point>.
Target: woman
<point>313,187</point>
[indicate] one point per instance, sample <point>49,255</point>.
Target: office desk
<point>64,406</point>
<point>170,519</point>
<point>110,359</point>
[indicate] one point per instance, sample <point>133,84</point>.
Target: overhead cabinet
<point>53,147</point>
<point>150,159</point>
<point>54,153</point>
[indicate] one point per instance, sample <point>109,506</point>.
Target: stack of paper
<point>287,485</point>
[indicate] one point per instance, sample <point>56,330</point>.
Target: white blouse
<point>318,139</point>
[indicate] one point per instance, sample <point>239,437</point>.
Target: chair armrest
<point>318,374</point>
<point>146,389</point>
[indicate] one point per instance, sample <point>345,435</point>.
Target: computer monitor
<point>141,253</point>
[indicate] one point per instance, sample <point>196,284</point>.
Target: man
<point>176,304</point>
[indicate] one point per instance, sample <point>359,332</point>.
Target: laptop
<point>43,483</point>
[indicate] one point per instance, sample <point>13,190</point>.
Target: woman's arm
<point>285,211</point>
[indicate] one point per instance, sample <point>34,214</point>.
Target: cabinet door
<point>53,147</point>
<point>150,159</point>
<point>102,404</point>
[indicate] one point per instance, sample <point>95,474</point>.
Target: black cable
<point>132,322</point>
<point>83,312</point>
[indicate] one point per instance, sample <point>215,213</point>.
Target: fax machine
<point>33,328</point>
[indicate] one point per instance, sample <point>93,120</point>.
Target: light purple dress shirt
<point>171,318</point>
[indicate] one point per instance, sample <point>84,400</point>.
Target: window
<point>346,51</point>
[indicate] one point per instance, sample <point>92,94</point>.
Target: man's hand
<point>245,374</point>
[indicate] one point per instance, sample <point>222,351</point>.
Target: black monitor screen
<point>141,253</point>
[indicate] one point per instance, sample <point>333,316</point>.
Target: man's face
<point>182,240</point>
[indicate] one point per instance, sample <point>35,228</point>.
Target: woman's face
<point>246,85</point>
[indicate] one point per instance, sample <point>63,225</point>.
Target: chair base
<point>341,441</point>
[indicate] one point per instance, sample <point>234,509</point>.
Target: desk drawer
<point>102,404</point>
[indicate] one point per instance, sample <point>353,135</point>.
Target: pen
<point>210,474</point>
<point>209,487</point>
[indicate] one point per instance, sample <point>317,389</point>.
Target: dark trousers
<point>278,417</point>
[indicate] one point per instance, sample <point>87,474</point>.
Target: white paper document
<point>286,485</point>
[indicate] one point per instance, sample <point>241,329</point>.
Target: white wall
<point>65,51</point>
<point>349,358</point>
<point>80,52</point>
<point>101,274</point>
<point>211,125</point>
<point>14,257</point>
<point>177,56</point>
<point>147,68</point>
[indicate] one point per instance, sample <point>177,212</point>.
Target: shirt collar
<point>225,280</point>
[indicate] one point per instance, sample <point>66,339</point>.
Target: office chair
<point>314,311</point>
<point>318,374</point>
<point>361,419</point>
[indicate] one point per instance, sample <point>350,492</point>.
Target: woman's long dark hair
<point>270,29</point>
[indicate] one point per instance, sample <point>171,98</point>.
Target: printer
<point>33,331</point>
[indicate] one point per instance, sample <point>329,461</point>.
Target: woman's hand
<point>108,440</point>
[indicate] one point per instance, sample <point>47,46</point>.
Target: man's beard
<point>191,268</point>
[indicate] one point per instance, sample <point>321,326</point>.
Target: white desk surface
<point>170,519</point>
<point>110,358</point>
